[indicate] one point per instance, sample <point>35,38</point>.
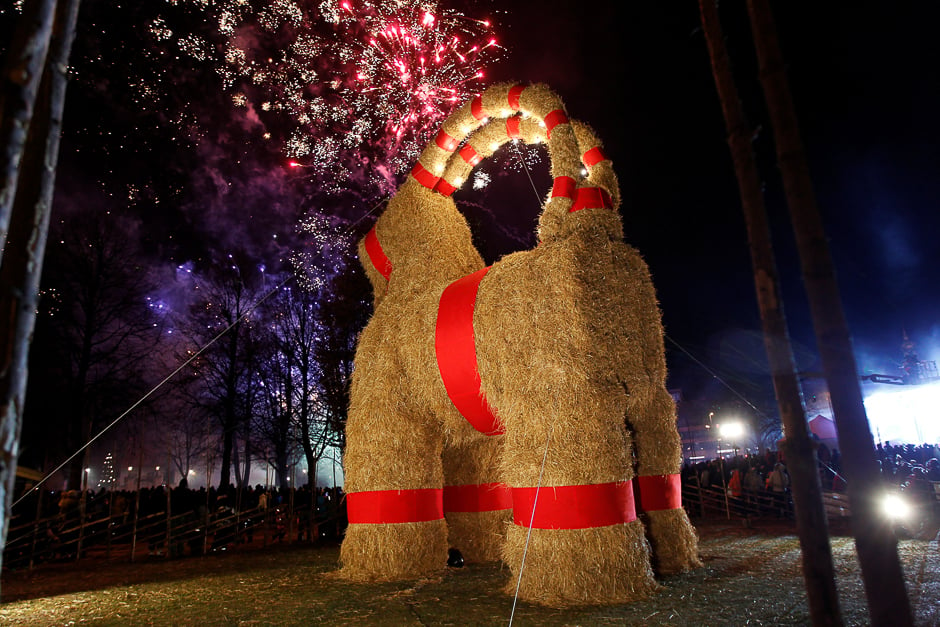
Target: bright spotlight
<point>895,507</point>
<point>731,430</point>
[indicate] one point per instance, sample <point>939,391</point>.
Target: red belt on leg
<point>379,507</point>
<point>658,492</point>
<point>574,506</point>
<point>482,497</point>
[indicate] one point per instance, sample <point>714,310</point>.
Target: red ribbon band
<point>483,497</point>
<point>512,127</point>
<point>377,256</point>
<point>593,156</point>
<point>658,492</point>
<point>455,346</point>
<point>446,142</point>
<point>591,198</point>
<point>553,119</point>
<point>514,94</point>
<point>469,155</point>
<point>423,176</point>
<point>574,506</point>
<point>382,507</point>
<point>476,108</point>
<point>564,186</point>
<point>444,187</point>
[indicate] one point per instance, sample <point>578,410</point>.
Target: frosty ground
<point>751,576</point>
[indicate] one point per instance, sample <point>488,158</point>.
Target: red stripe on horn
<point>455,347</point>
<point>469,155</point>
<point>381,507</point>
<point>553,119</point>
<point>377,256</point>
<point>446,142</point>
<point>514,94</point>
<point>483,497</point>
<point>564,186</point>
<point>423,176</point>
<point>512,127</point>
<point>593,156</point>
<point>574,506</point>
<point>591,198</point>
<point>658,492</point>
<point>476,108</point>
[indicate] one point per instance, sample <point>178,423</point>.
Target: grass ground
<point>751,576</point>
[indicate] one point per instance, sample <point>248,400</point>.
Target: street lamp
<point>732,431</point>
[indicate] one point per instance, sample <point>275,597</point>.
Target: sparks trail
<point>342,86</point>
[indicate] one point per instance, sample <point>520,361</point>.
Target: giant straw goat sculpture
<point>486,401</point>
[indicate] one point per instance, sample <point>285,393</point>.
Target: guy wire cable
<point>178,369</point>
<point>528,535</point>
<point>154,389</point>
<point>535,502</point>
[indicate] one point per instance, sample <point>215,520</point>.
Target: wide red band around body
<point>553,119</point>
<point>382,507</point>
<point>658,492</point>
<point>564,186</point>
<point>574,506</point>
<point>455,347</point>
<point>476,108</point>
<point>513,98</point>
<point>469,155</point>
<point>512,127</point>
<point>377,256</point>
<point>591,198</point>
<point>444,188</point>
<point>482,497</point>
<point>446,142</point>
<point>423,176</point>
<point>593,156</point>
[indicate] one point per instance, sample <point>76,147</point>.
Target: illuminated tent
<point>823,427</point>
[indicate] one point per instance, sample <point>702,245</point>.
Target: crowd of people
<point>909,468</point>
<point>175,521</point>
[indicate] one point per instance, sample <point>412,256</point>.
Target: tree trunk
<point>23,69</point>
<point>25,246</point>
<point>818,571</point>
<point>874,539</point>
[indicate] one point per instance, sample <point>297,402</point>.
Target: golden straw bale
<point>673,540</point>
<point>570,567</point>
<point>393,552</point>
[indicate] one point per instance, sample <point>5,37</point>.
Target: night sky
<point>864,81</point>
<point>865,86</point>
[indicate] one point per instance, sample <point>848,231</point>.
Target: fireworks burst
<point>352,88</point>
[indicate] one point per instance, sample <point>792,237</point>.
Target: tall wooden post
<point>818,571</point>
<point>875,541</point>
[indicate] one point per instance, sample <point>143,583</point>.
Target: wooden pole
<point>818,570</point>
<point>875,541</point>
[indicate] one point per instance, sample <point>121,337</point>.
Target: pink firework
<point>346,86</point>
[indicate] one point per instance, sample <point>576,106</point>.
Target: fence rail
<point>126,537</point>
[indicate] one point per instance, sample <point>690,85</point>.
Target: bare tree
<point>224,371</point>
<point>96,329</point>
<point>25,200</point>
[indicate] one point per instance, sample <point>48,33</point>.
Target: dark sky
<point>865,85</point>
<point>864,81</point>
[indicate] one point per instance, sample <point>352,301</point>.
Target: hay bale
<point>611,565</point>
<point>475,462</point>
<point>393,552</point>
<point>673,540</point>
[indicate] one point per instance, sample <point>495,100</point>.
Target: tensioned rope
<point>166,379</point>
<point>155,388</point>
<point>548,438</point>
